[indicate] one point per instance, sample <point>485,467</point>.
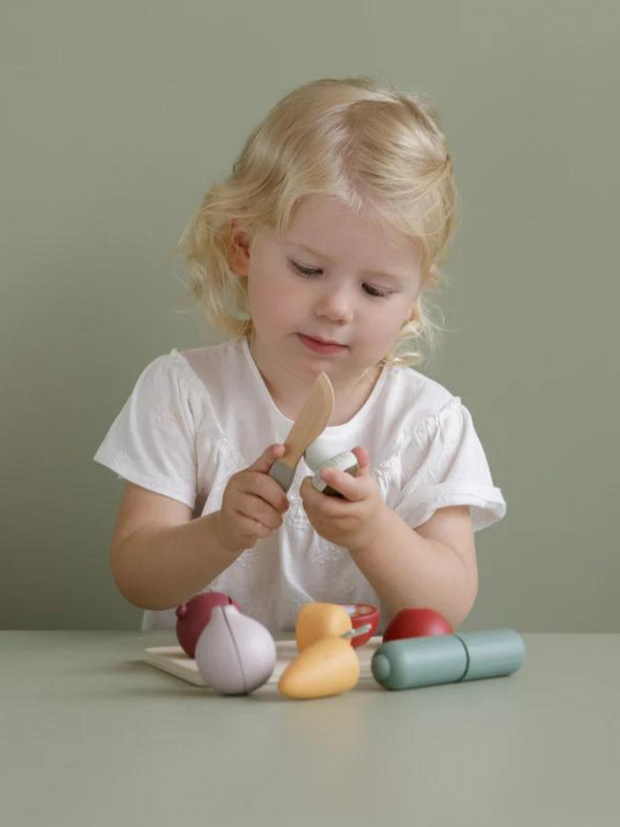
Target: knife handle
<point>282,473</point>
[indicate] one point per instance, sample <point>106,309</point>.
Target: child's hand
<point>354,521</point>
<point>252,504</point>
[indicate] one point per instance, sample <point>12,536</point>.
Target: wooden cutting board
<point>174,661</point>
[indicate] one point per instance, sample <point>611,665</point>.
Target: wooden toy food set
<point>334,645</point>
<point>236,655</point>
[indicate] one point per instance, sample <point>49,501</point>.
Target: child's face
<point>348,297</point>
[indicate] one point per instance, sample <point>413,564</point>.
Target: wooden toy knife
<point>313,418</point>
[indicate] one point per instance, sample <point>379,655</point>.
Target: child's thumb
<point>267,458</point>
<point>363,459</point>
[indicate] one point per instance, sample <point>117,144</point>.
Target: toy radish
<point>193,616</point>
<point>416,623</point>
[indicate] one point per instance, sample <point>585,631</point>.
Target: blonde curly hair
<point>367,145</point>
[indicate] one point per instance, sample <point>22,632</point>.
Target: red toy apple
<point>361,614</point>
<point>416,623</point>
<point>193,616</point>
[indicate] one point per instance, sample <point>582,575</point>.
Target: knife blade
<point>312,420</point>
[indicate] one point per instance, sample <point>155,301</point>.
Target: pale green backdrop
<point>117,116</point>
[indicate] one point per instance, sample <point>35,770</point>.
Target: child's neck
<point>289,389</point>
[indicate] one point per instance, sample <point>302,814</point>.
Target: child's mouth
<point>320,347</point>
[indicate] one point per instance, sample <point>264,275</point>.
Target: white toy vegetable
<point>235,654</point>
<point>318,457</point>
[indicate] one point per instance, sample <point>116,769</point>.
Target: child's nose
<point>336,305</point>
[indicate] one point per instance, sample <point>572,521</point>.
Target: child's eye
<point>308,272</point>
<point>305,271</point>
<point>372,291</point>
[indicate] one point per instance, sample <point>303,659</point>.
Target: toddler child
<point>316,254</point>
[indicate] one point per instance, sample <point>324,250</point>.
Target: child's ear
<point>239,248</point>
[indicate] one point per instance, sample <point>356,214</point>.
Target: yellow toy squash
<point>317,620</point>
<point>329,666</point>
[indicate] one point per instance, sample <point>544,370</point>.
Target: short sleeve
<point>152,440</point>
<point>443,463</point>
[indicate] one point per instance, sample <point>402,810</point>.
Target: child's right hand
<point>252,504</point>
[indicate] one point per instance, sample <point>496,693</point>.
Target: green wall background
<point>116,119</point>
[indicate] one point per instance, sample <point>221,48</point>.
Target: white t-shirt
<point>196,417</point>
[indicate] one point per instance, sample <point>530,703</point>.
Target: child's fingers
<point>265,487</point>
<point>350,487</point>
<point>257,482</point>
<point>363,458</point>
<point>256,509</point>
<point>267,458</point>
<point>250,529</point>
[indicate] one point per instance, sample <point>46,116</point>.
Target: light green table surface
<point>90,735</point>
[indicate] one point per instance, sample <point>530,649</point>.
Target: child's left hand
<point>351,522</point>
